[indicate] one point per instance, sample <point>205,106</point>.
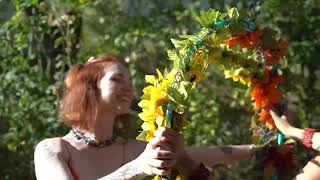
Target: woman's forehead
<point>116,68</point>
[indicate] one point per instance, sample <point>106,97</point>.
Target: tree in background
<point>42,39</point>
<point>38,44</point>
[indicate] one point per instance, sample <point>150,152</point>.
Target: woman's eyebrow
<point>119,74</point>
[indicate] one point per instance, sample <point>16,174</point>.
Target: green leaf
<point>208,18</point>
<point>290,141</point>
<point>178,93</point>
<point>182,90</point>
<point>223,15</point>
<point>157,177</point>
<point>142,136</point>
<point>279,71</point>
<point>179,44</point>
<point>233,13</point>
<point>189,37</point>
<point>283,63</point>
<point>174,56</point>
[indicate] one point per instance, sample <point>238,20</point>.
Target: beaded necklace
<point>91,142</point>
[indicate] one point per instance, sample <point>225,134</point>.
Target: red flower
<point>253,39</point>
<point>273,56</point>
<point>280,158</point>
<point>265,116</point>
<point>248,40</point>
<point>265,93</point>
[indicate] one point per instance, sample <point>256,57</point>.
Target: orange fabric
<point>73,172</point>
<point>123,154</point>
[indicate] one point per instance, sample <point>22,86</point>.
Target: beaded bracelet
<point>201,173</point>
<point>307,137</point>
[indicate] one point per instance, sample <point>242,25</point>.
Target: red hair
<point>81,98</point>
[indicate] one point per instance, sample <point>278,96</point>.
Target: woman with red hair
<point>95,93</point>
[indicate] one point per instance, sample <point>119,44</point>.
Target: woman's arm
<point>153,161</point>
<point>310,171</point>
<point>50,162</point>
<point>290,131</point>
<point>130,170</point>
<point>220,154</point>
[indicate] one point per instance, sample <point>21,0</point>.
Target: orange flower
<point>265,93</point>
<point>247,40</point>
<point>264,116</point>
<point>273,56</point>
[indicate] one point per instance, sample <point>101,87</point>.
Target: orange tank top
<point>74,173</point>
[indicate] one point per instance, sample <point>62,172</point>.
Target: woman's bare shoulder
<point>50,147</point>
<point>50,161</point>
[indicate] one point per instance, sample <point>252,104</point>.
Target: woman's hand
<point>156,158</point>
<point>173,141</point>
<point>285,127</point>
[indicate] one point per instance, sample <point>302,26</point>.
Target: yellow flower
<point>236,76</point>
<point>148,126</point>
<point>201,60</point>
<point>195,76</point>
<point>160,117</point>
<point>149,136</point>
<point>155,97</point>
<point>147,115</point>
<point>153,122</point>
<point>151,79</point>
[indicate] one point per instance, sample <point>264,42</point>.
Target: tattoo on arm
<point>126,172</point>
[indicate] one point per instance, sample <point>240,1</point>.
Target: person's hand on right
<point>285,127</point>
<point>281,123</point>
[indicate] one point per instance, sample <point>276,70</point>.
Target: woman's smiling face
<point>116,88</point>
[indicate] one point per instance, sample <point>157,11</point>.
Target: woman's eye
<point>117,79</point>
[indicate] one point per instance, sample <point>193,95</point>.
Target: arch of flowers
<point>241,48</point>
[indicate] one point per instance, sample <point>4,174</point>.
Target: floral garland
<point>244,52</point>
